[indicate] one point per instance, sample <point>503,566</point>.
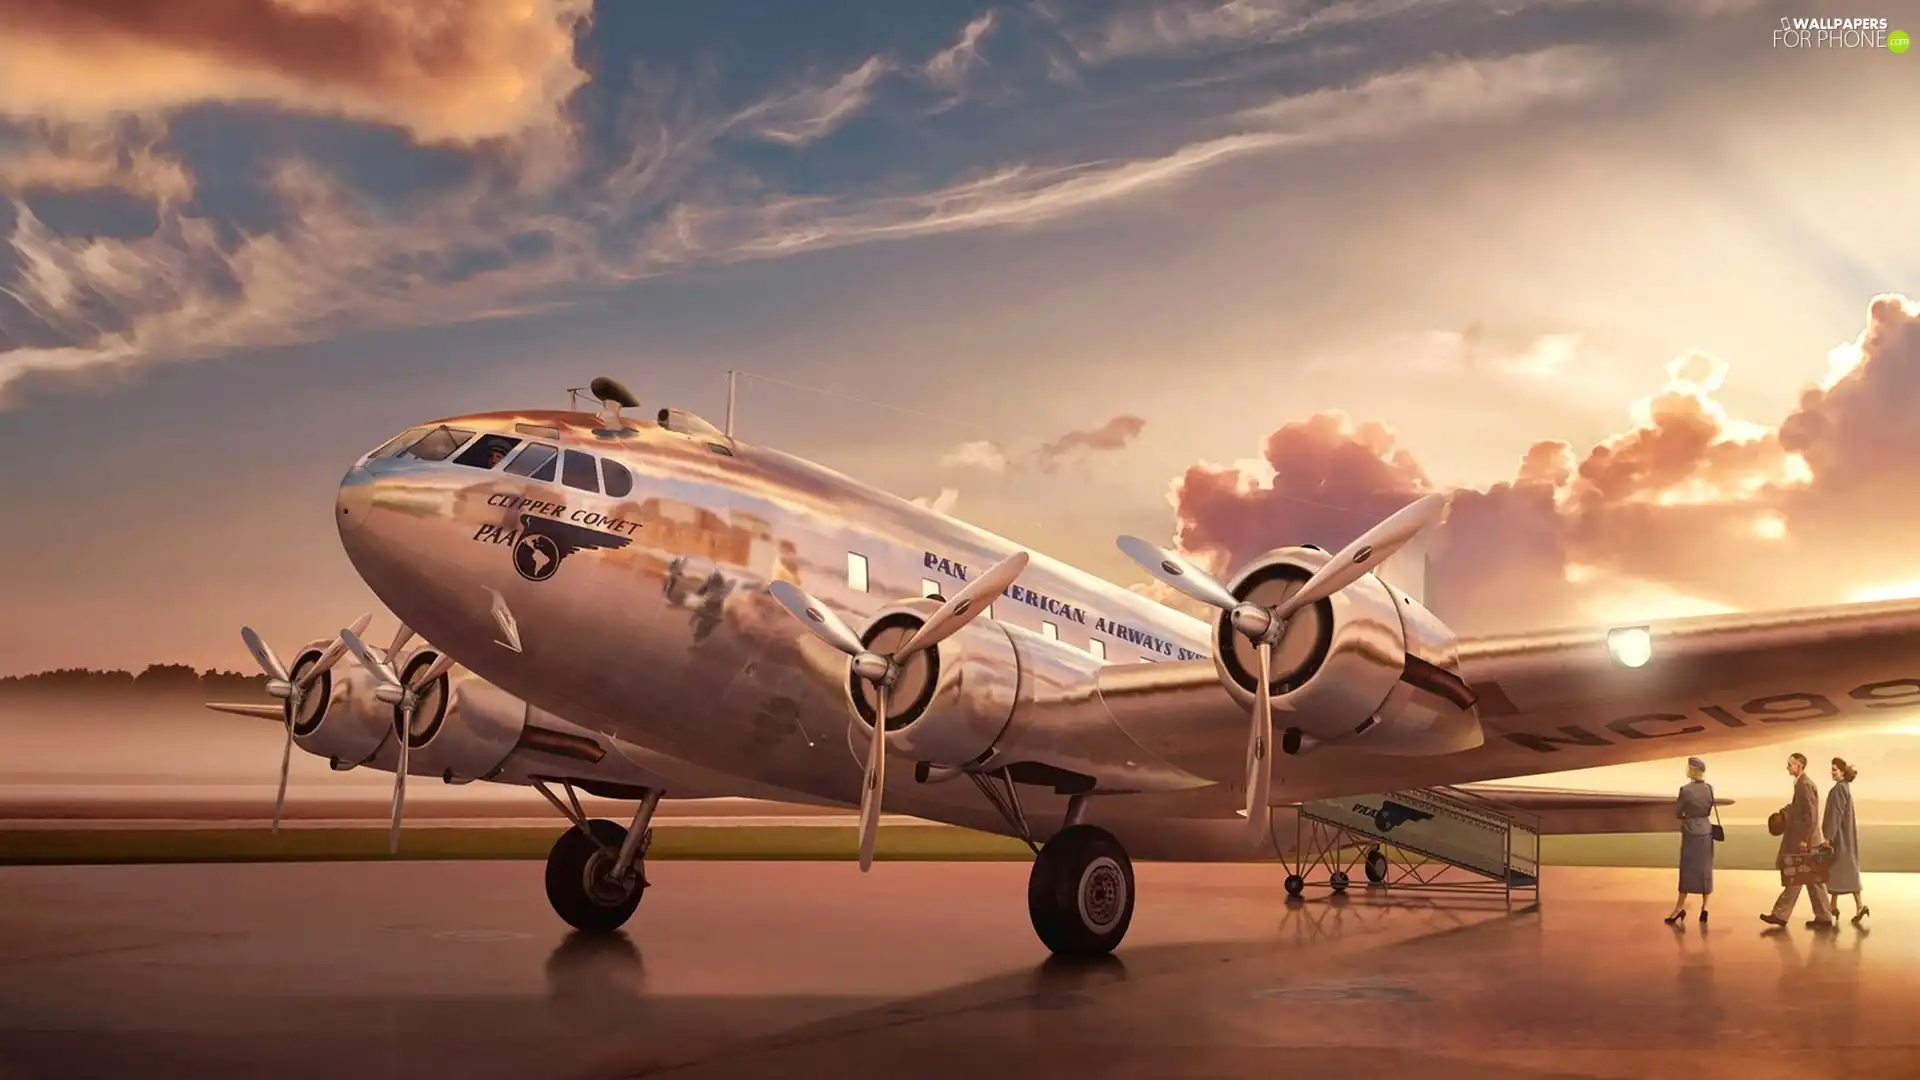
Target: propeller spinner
<point>1264,626</point>
<point>403,696</point>
<point>293,692</point>
<point>883,670</point>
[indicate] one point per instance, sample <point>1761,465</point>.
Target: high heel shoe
<point>1675,918</point>
<point>1861,914</point>
<point>1703,916</point>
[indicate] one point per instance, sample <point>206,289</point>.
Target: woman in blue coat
<point>1694,808</point>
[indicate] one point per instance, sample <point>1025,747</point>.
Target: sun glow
<point>1899,590</point>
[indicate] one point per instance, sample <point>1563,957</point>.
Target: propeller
<point>883,670</point>
<point>283,686</point>
<point>1264,626</point>
<point>405,696</point>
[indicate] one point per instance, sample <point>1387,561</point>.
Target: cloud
<point>948,68</point>
<point>810,113</point>
<point>1686,510</point>
<point>1181,26</point>
<point>520,226</point>
<point>1114,435</point>
<point>940,504</point>
<point>460,70</point>
<point>978,454</point>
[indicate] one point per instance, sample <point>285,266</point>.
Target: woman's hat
<point>1696,763</point>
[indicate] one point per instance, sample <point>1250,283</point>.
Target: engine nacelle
<point>339,718</point>
<point>1367,666</point>
<point>463,726</point>
<point>952,701</point>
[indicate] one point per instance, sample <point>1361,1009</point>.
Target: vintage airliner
<point>640,608</point>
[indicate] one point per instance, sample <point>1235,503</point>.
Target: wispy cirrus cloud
<point>539,181</point>
<point>808,113</point>
<point>1114,435</point>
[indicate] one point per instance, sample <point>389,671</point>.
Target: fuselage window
<point>619,480</point>
<point>1050,630</point>
<point>487,452</point>
<point>577,471</point>
<point>1099,649</point>
<point>856,571</point>
<point>440,443</point>
<point>535,462</point>
<point>931,589</point>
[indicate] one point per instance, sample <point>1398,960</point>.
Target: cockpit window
<point>396,444</point>
<point>619,480</point>
<point>578,472</point>
<point>535,462</point>
<point>440,443</point>
<point>487,452</point>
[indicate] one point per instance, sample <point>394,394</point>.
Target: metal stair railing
<point>1414,840</point>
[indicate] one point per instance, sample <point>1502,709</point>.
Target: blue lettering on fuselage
<point>952,568</point>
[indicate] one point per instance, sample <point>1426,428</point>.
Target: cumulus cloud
<point>940,504</point>
<point>1686,510</point>
<point>444,69</point>
<point>976,454</point>
<point>1114,435</point>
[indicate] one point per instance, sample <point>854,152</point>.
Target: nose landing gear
<point>596,871</point>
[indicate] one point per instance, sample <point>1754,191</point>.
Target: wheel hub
<point>1103,894</point>
<point>599,884</point>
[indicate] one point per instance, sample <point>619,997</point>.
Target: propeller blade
<point>286,759</point>
<point>967,605</point>
<point>1374,547</point>
<point>1260,753</point>
<point>875,781</point>
<point>440,666</point>
<point>400,782</point>
<point>816,617</point>
<point>264,656</point>
<point>276,713</point>
<point>361,653</point>
<point>335,651</point>
<point>400,639</point>
<point>1177,572</point>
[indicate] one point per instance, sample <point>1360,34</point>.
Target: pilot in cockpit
<point>495,456</point>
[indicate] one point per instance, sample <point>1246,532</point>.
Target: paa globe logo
<point>1831,33</point>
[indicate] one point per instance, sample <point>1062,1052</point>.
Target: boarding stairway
<point>1444,839</point>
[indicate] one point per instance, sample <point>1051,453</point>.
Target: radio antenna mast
<point>733,380</point>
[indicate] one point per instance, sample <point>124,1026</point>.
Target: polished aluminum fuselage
<point>671,642</point>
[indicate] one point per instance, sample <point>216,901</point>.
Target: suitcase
<point>1805,868</point>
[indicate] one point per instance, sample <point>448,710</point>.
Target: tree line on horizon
<point>155,677</point>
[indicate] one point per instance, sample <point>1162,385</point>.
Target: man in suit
<point>1800,835</point>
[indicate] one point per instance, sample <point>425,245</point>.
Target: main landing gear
<point>596,872</point>
<point>1080,892</point>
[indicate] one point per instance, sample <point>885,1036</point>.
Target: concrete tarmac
<point>928,970</point>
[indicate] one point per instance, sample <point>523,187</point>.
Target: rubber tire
<point>1054,887</point>
<point>1339,881</point>
<point>566,880</point>
<point>1377,867</point>
<point>1296,884</point>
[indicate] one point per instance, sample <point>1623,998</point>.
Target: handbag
<point>1718,831</point>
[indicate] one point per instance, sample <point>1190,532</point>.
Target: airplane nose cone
<point>354,503</point>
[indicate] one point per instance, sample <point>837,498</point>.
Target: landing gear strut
<point>596,872</point>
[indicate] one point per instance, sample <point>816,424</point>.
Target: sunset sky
<point>1625,260</point>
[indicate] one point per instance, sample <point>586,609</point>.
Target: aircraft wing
<point>1561,701</point>
<point>1571,813</point>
